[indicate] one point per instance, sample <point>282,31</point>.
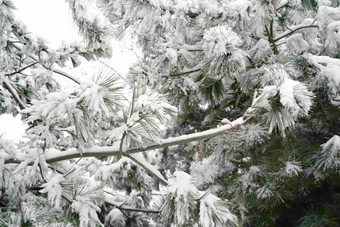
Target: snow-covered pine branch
<point>96,155</point>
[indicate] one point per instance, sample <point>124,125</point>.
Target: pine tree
<point>230,117</point>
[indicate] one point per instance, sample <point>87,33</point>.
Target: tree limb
<point>58,71</point>
<point>186,72</point>
<point>292,30</point>
<point>7,85</point>
<point>54,156</point>
<point>127,208</point>
<point>22,69</point>
<point>161,179</point>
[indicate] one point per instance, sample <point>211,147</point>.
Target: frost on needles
<point>230,117</point>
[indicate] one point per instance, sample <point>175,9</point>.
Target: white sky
<point>51,20</point>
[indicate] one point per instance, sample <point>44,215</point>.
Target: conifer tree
<point>230,117</point>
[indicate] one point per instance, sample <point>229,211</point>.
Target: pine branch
<point>147,169</point>
<point>52,157</point>
<point>22,69</point>
<point>186,72</point>
<point>58,71</point>
<point>7,85</point>
<point>282,5</point>
<point>127,208</point>
<point>292,30</point>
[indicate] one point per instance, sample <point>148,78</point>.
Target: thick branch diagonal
<point>54,156</point>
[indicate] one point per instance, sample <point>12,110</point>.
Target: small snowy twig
<point>282,5</point>
<point>186,72</point>
<point>22,69</point>
<point>58,71</point>
<point>146,169</point>
<point>127,208</point>
<point>13,92</point>
<point>292,30</point>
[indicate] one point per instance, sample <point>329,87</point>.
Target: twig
<point>22,69</point>
<point>283,4</point>
<point>146,168</point>
<point>13,92</point>
<point>127,208</point>
<point>58,71</point>
<point>292,30</point>
<point>121,144</point>
<point>184,73</point>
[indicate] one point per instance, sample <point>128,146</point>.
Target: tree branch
<point>292,30</point>
<point>22,69</point>
<point>160,178</point>
<point>281,5</point>
<point>184,73</point>
<point>127,208</point>
<point>7,85</point>
<point>54,156</point>
<point>58,71</point>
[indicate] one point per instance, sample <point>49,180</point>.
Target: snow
<point>141,160</point>
<point>88,11</point>
<point>114,150</point>
<point>87,211</point>
<point>333,144</point>
<point>333,37</point>
<point>293,168</point>
<point>115,218</point>
<point>296,44</point>
<point>261,50</point>
<point>171,54</point>
<point>181,191</point>
<point>53,190</point>
<point>329,71</point>
<point>212,206</point>
<point>327,14</point>
<point>181,184</point>
<point>287,97</point>
<point>206,171</point>
<point>220,40</point>
<point>329,157</point>
<point>264,192</point>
